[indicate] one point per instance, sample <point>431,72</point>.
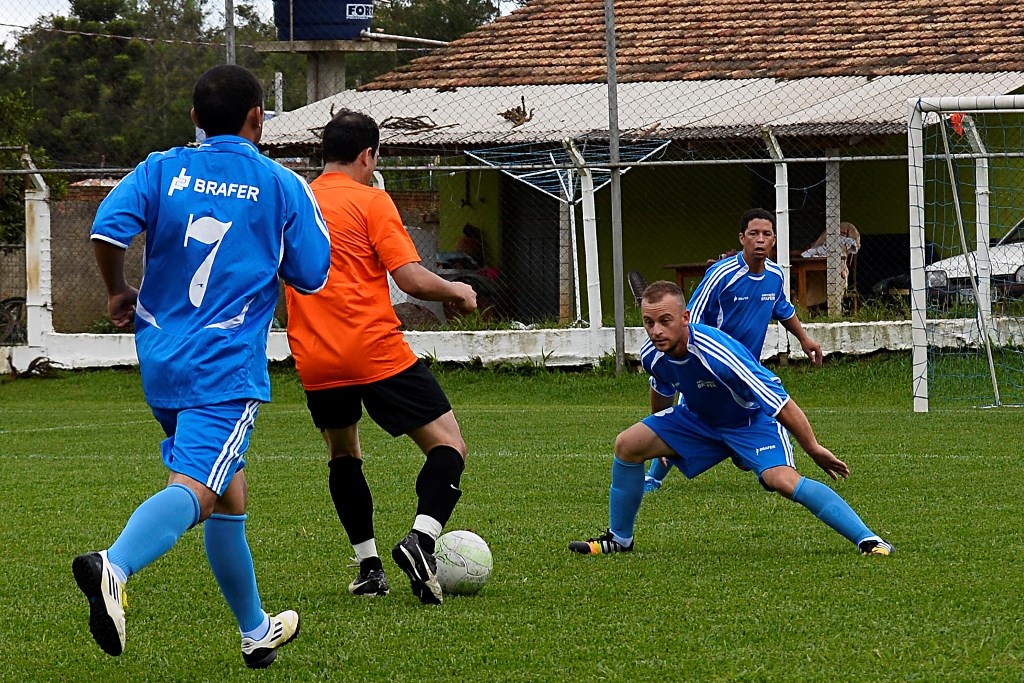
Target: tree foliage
<point>15,118</point>
<point>112,82</point>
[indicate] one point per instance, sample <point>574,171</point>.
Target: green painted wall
<point>474,202</point>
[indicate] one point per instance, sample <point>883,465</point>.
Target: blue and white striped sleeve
<point>742,372</point>
<point>648,356</point>
<point>783,309</point>
<point>704,302</point>
<point>307,244</point>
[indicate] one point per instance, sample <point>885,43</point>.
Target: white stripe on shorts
<point>231,451</point>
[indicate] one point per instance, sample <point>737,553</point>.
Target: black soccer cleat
<point>371,580</point>
<point>602,545</point>
<point>420,567</point>
<point>875,546</point>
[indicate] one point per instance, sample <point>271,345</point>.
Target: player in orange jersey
<point>349,352</point>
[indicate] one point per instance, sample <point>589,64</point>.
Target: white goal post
<point>966,184</point>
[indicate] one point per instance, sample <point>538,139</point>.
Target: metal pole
<point>915,154</point>
<point>616,188</point>
<point>229,30</point>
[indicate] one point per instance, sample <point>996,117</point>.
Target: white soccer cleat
<point>259,654</point>
<point>107,600</point>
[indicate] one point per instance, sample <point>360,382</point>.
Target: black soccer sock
<point>437,486</point>
<point>352,498</point>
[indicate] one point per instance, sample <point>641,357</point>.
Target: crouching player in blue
<point>221,222</point>
<point>734,407</point>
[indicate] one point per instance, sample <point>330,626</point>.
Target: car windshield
<point>1015,234</point>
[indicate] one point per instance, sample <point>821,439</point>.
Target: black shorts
<point>399,404</point>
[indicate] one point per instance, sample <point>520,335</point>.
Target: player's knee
<point>782,480</point>
<point>626,450</point>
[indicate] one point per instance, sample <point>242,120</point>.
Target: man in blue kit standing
<point>222,223</point>
<point>734,407</point>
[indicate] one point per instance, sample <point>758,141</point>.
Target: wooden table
<point>799,267</point>
<point>689,270</point>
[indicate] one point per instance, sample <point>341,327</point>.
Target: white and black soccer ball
<point>464,562</point>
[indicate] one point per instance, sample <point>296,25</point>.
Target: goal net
<point>966,163</point>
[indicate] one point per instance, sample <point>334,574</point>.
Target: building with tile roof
<point>829,80</point>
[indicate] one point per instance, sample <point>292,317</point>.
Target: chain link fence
<point>507,187</point>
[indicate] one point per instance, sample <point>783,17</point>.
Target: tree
<point>171,66</point>
<point>113,81</point>
<point>15,119</point>
<point>83,87</point>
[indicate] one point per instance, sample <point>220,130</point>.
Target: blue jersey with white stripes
<point>741,304</point>
<point>718,379</point>
<point>221,222</point>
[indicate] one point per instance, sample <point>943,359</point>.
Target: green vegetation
<point>728,583</point>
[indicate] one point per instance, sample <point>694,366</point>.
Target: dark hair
<point>753,214</point>
<point>658,290</point>
<point>223,97</point>
<point>348,134</point>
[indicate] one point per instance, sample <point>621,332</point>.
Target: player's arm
<point>660,402</point>
<point>307,243</point>
<point>704,302</point>
<point>793,418</point>
<point>810,347</point>
<point>417,281</point>
<point>121,296</point>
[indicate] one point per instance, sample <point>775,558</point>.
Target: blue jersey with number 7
<point>221,222</point>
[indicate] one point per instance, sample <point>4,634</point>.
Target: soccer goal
<point>966,164</point>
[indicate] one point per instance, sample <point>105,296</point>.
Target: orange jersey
<point>347,333</point>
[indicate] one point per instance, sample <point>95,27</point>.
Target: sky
<point>22,13</point>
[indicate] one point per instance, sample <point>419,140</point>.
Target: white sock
<point>427,525</point>
<point>365,549</point>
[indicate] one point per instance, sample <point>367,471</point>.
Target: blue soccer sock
<point>829,507</point>
<point>627,491</point>
<point>227,551</point>
<point>657,470</point>
<point>154,528</point>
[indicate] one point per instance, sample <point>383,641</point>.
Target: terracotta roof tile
<point>562,41</point>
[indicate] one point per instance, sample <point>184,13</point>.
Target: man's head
<point>223,101</point>
<point>352,139</point>
<point>757,236</point>
<point>665,317</point>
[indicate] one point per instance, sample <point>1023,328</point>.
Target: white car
<point>1006,256</point>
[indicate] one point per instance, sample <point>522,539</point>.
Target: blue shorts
<point>761,444</point>
<point>207,443</point>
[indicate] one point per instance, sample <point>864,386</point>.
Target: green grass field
<point>727,583</point>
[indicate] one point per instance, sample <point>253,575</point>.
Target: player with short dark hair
<point>222,98</point>
<point>734,407</point>
<point>222,222</point>
<point>741,295</point>
<point>350,352</point>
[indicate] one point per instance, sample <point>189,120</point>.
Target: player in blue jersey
<point>741,295</point>
<point>734,407</point>
<point>222,222</point>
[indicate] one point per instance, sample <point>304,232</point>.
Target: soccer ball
<point>464,562</point>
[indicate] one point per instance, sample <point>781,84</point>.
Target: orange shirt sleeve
<point>387,234</point>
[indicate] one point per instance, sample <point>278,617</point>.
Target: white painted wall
<point>554,347</point>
